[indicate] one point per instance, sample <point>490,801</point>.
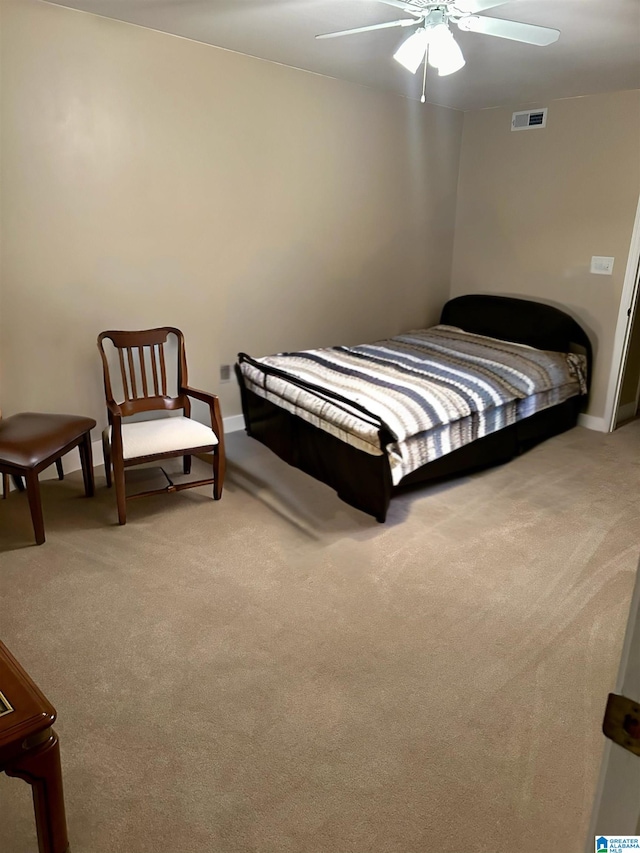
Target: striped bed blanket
<point>419,395</point>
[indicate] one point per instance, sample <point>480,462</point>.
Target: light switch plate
<point>602,266</point>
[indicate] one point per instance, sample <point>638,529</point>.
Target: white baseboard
<point>591,422</point>
<point>235,423</point>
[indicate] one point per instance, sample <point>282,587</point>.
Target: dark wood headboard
<point>520,320</point>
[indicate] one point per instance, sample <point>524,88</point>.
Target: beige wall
<point>534,206</point>
<point>150,180</point>
<point>146,180</point>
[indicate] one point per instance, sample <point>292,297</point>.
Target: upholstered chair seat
<point>177,436</point>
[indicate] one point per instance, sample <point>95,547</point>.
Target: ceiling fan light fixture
<point>453,62</point>
<point>411,52</point>
<point>444,51</point>
<point>433,43</point>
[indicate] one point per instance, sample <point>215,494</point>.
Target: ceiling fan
<point>433,41</point>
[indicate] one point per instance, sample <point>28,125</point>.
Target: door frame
<point>622,339</point>
<point>616,807</point>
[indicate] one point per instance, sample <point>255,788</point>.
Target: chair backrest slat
<point>163,370</point>
<point>132,373</point>
<point>123,371</point>
<point>154,365</point>
<point>143,372</point>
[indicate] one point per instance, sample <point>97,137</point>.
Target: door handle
<point>621,722</point>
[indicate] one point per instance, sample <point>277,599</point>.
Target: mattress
<point>417,396</point>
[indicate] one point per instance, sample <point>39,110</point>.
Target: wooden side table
<point>29,750</point>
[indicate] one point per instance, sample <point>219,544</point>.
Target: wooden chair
<point>30,442</point>
<point>144,375</point>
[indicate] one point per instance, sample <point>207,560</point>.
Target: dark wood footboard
<point>360,479</point>
<point>363,480</point>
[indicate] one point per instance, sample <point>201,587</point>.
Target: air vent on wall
<point>528,119</point>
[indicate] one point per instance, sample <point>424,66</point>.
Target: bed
<point>496,376</point>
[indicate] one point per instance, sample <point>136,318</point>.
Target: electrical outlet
<point>225,373</point>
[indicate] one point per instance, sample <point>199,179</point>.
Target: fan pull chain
<point>424,75</point>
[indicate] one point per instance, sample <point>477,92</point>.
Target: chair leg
<point>59,468</point>
<point>35,505</point>
<point>17,482</point>
<point>218,473</point>
<point>186,464</point>
<point>121,498</point>
<point>106,452</point>
<point>5,486</point>
<point>86,459</point>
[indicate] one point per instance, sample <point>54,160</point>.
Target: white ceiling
<point>598,50</point>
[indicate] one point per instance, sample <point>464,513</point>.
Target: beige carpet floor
<point>278,673</point>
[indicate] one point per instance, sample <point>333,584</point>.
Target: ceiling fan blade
<point>409,7</point>
<point>405,22</point>
<point>477,5</point>
<point>528,33</point>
